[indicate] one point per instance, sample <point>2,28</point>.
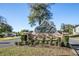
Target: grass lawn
<point>8,38</point>
<point>35,51</point>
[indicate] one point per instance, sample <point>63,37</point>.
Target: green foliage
<point>31,39</point>
<point>67,28</point>
<point>20,43</point>
<point>62,44</point>
<point>66,40</point>
<point>1,35</point>
<point>18,33</point>
<point>3,20</point>
<point>46,27</point>
<point>43,41</point>
<point>59,42</point>
<point>4,27</point>
<point>51,42</point>
<point>23,38</point>
<point>31,31</point>
<point>37,42</point>
<point>24,30</point>
<point>38,13</point>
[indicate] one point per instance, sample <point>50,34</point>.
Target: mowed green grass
<point>35,51</point>
<point>8,38</point>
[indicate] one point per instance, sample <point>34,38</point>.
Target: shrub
<point>66,41</point>
<point>62,44</point>
<point>24,38</point>
<point>31,39</point>
<point>36,42</point>
<point>32,42</point>
<point>58,41</point>
<point>43,41</point>
<point>2,35</point>
<point>51,42</point>
<point>20,43</point>
<point>16,43</point>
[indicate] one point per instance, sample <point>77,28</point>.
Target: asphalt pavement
<point>8,43</point>
<point>75,44</point>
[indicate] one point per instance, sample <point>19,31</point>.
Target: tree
<point>3,20</point>
<point>67,28</point>
<point>46,27</point>
<point>39,12</point>
<point>8,28</point>
<point>24,30</point>
<point>62,27</point>
<point>4,27</point>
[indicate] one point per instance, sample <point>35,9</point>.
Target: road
<point>75,44</point>
<point>8,43</point>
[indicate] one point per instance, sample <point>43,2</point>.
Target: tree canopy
<point>38,13</point>
<point>46,27</point>
<point>4,26</point>
<point>24,30</point>
<point>67,28</point>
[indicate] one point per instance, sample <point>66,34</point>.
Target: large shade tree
<point>46,27</point>
<point>39,12</point>
<point>3,20</point>
<point>4,26</point>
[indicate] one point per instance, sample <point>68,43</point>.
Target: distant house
<point>76,30</point>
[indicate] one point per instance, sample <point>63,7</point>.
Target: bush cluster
<point>30,39</point>
<point>65,41</point>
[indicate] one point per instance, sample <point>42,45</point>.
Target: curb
<point>73,50</point>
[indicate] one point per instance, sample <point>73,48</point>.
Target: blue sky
<point>17,15</point>
<point>65,13</point>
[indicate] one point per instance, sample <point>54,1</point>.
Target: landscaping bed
<point>36,51</point>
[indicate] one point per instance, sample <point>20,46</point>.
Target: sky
<point>17,14</point>
<point>65,13</point>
